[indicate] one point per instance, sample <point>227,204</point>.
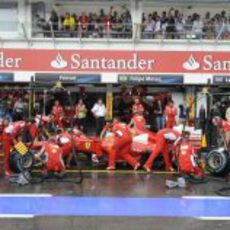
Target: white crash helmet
<point>178,128</point>
<point>9,129</point>
<point>170,136</point>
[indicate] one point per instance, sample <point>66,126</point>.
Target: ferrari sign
<point>118,61</point>
<point>87,145</point>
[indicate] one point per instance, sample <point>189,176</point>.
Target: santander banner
<point>114,61</point>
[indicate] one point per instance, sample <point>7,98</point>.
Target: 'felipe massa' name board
<point>150,79</point>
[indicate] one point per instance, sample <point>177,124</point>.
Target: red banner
<point>114,61</point>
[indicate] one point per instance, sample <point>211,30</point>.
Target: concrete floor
<point>115,185</point>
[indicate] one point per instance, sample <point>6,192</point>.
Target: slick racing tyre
<point>218,162</point>
<point>19,163</point>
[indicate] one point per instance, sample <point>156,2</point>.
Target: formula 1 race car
<point>143,141</point>
<point>23,159</point>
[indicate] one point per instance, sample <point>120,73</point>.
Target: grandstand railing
<point>112,31</point>
<point>98,30</point>
<point>129,31</point>
<point>208,32</point>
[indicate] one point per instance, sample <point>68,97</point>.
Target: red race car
<point>143,141</point>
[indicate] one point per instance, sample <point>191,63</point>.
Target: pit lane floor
<point>113,200</point>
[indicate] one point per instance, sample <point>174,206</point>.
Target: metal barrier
<point>126,31</point>
<point>206,32</point>
<point>92,30</point>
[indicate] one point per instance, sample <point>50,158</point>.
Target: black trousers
<point>100,123</point>
<point>82,124</point>
<point>18,116</point>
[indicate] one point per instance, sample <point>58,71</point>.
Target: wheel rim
<point>26,161</point>
<point>215,161</point>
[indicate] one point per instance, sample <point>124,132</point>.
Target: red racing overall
<point>54,162</point>
<point>138,108</point>
<point>8,136</point>
<point>122,146</point>
<point>186,161</point>
<point>139,122</point>
<point>162,146</point>
<point>170,113</point>
<point>33,130</point>
<point>65,141</point>
<point>58,112</point>
<point>8,143</point>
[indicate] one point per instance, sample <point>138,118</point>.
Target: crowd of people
<point>174,25</point>
<point>15,107</point>
<point>21,134</point>
<point>171,24</point>
<point>87,25</point>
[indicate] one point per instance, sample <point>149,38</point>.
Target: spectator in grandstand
<point>216,26</point>
<point>173,25</point>
<point>69,23</point>
<point>102,14</point>
<point>223,14</point>
<point>188,24</point>
<point>197,27</point>
<point>126,19</point>
<point>171,29</point>
<point>180,30</point>
<point>157,29</point>
<point>221,28</point>
<point>107,25</point>
<point>94,27</point>
<point>76,21</point>
<point>149,26</point>
<point>164,18</point>
<point>84,23</point>
<point>208,26</point>
<point>117,26</point>
<point>43,25</point>
<point>207,18</point>
<point>54,20</point>
<point>90,24</point>
<point>227,32</point>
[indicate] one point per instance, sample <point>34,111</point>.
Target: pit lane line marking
<point>116,171</point>
<point>16,216</point>
<point>25,195</point>
<point>214,218</point>
<point>207,197</point>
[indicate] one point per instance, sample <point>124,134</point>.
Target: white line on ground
<point>16,216</point>
<point>214,218</point>
<point>207,197</point>
<point>24,195</point>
